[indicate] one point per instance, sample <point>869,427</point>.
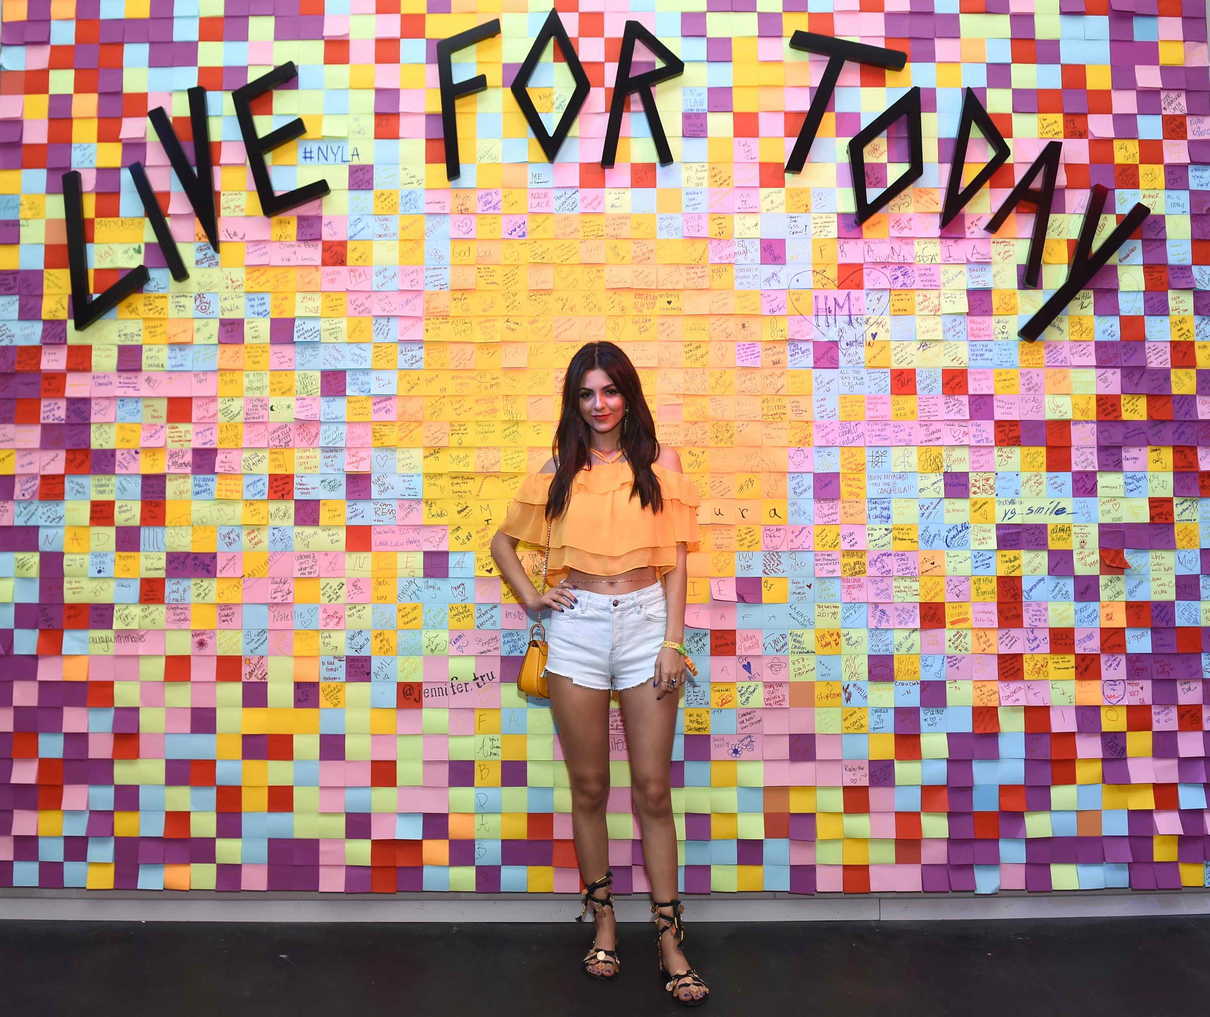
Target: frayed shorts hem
<point>617,686</point>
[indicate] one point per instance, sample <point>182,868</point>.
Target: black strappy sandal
<point>673,984</point>
<point>597,955</point>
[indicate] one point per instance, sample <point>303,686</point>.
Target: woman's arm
<point>674,593</point>
<point>675,581</point>
<point>669,664</point>
<point>504,551</point>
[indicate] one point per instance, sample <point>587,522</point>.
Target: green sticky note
<point>331,826</point>
<point>856,826</point>
<point>138,771</point>
<point>306,825</point>
<point>934,824</point>
<point>724,799</point>
<point>724,878</point>
<point>829,799</point>
<point>829,852</point>
<point>177,799</point>
<point>514,799</point>
<point>487,826</point>
<point>1064,876</point>
<point>462,878</point>
<point>619,825</point>
<point>357,852</point>
<point>1063,798</point>
<point>934,746</point>
<point>306,801</point>
<point>882,852</point>
<point>357,746</point>
<point>178,695</point>
<point>461,799</point>
<point>1037,824</point>
<point>202,876</point>
<point>1012,718</point>
<point>751,825</point>
<point>306,748</point>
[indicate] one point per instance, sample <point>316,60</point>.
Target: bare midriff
<point>624,582</point>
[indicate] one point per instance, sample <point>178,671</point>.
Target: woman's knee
<point>590,791</point>
<point>652,796</point>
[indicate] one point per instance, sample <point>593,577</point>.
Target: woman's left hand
<point>669,671</point>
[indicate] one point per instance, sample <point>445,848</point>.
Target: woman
<point>621,517</point>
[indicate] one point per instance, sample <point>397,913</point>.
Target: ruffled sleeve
<point>678,520</point>
<point>525,518</point>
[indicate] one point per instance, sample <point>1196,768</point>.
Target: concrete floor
<point>1141,967</point>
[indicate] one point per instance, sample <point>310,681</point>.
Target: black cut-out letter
<point>552,29</point>
<point>1042,198</point>
<point>159,224</point>
<point>956,196</point>
<point>838,51</point>
<point>907,105</point>
<point>86,308</point>
<point>452,91</point>
<point>624,86</point>
<point>271,202</point>
<point>1086,262</point>
<point>198,183</point>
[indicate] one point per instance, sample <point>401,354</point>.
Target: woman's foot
<point>606,939</point>
<point>689,989</point>
<point>601,961</point>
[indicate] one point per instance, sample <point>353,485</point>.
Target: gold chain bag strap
<point>532,678</point>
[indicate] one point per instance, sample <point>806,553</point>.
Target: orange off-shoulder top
<point>604,531</point>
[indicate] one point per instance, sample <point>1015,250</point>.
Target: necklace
<point>603,456</point>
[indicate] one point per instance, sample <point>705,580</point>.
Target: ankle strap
<point>665,922</point>
<point>591,898</point>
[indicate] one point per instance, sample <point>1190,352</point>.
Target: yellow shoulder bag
<point>532,678</point>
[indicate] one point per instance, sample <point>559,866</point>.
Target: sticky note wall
<point>950,610</point>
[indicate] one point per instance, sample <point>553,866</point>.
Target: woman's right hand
<point>557,598</point>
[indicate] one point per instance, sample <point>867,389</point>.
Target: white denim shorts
<point>608,640</point>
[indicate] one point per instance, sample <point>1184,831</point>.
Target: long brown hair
<point>570,445</point>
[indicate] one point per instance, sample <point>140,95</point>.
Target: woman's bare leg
<point>650,728</point>
<point>582,717</point>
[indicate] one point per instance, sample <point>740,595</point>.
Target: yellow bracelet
<point>680,648</point>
